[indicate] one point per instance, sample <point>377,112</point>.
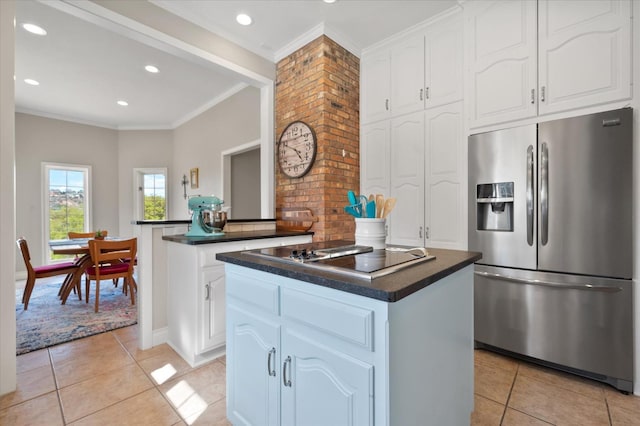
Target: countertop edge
<point>233,236</point>
<point>416,277</point>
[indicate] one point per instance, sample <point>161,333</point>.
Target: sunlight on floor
<point>163,374</point>
<point>187,401</point>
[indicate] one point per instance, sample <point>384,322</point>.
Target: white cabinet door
<point>407,76</point>
<point>323,386</point>
<point>501,49</point>
<point>253,373</point>
<point>374,159</point>
<point>445,180</point>
<point>212,321</point>
<point>584,53</point>
<point>406,226</point>
<point>376,87</point>
<point>443,63</point>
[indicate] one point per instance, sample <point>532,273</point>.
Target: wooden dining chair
<point>74,235</point>
<point>33,273</point>
<point>105,256</point>
<point>81,235</point>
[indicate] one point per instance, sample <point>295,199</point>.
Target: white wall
<point>245,185</point>
<point>7,201</point>
<point>40,139</point>
<point>200,142</point>
<point>141,149</point>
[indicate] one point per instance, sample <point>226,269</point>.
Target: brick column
<point>319,84</point>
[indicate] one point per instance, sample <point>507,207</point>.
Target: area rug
<point>48,323</point>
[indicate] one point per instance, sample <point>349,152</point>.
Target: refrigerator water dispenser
<point>495,206</point>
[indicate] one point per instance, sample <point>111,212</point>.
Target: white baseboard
<point>160,335</point>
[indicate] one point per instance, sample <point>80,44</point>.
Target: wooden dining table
<point>80,248</point>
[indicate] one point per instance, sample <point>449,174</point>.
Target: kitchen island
<point>313,345</point>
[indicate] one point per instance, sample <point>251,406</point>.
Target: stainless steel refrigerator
<point>550,208</point>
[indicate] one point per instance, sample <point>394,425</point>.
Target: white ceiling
<point>83,68</point>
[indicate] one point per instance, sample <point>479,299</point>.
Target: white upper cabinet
<point>585,53</point>
<point>501,53</point>
<point>443,62</point>
<point>376,87</point>
<point>407,76</point>
<point>421,70</point>
<point>528,58</point>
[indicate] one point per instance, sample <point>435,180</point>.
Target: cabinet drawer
<point>347,322</point>
<point>262,294</point>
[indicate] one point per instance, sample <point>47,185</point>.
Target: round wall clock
<point>297,149</point>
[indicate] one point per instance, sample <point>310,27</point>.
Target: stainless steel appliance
<point>550,210</point>
<point>353,260</point>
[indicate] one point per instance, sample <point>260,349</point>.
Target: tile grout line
<point>506,403</point>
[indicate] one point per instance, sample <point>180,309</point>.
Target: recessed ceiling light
<point>32,81</point>
<point>244,19</point>
<point>152,68</point>
<point>329,1</point>
<point>123,103</point>
<point>34,29</point>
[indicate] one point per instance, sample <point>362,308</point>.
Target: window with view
<point>67,201</point>
<point>152,194</point>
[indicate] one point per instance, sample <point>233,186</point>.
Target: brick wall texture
<point>319,84</point>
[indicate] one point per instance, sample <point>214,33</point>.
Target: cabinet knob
<point>533,96</point>
<point>421,90</point>
<point>542,93</point>
<point>420,232</point>
<point>426,92</point>
<point>386,104</point>
<point>207,289</point>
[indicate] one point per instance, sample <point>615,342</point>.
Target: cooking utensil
<point>370,210</point>
<point>379,205</point>
<point>352,197</point>
<point>362,200</point>
<point>389,204</point>
<point>354,210</point>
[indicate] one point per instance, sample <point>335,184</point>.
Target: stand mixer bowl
<point>219,219</point>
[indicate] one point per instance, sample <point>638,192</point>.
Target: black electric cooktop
<point>353,260</point>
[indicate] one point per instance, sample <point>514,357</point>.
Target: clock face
<point>296,149</point>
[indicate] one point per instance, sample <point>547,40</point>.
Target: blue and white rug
<point>48,323</point>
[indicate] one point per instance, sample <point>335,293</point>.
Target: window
<point>151,201</point>
<point>66,201</point>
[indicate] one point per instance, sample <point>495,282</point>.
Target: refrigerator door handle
<point>530,195</point>
<point>544,194</point>
<point>588,287</point>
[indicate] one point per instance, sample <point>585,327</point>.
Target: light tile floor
<point>106,380</point>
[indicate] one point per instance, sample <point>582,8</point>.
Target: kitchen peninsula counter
<point>388,288</point>
<point>233,236</point>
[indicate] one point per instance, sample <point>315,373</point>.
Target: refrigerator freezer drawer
<point>583,323</point>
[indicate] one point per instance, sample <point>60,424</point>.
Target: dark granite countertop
<point>188,221</point>
<point>389,288</point>
<point>232,236</point>
<point>161,222</point>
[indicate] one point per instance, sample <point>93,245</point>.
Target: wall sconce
<point>184,183</point>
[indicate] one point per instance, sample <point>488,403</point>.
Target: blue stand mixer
<point>206,208</point>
